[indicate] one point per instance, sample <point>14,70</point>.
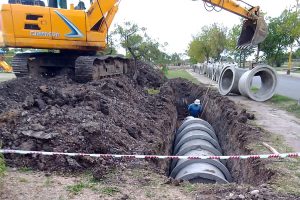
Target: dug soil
<point>120,115</point>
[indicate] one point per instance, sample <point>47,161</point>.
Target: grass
<point>110,191</point>
<point>23,180</point>
<point>78,187</point>
<point>25,169</point>
<point>48,182</point>
<point>2,166</point>
<point>287,171</point>
<point>283,102</point>
<point>88,182</point>
<point>286,103</point>
<point>152,91</point>
<point>189,187</point>
<point>181,74</point>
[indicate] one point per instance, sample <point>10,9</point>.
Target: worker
<point>195,109</point>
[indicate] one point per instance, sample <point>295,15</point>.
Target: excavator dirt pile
<point>102,116</point>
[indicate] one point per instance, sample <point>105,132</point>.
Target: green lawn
<point>283,102</point>
<point>2,166</point>
<point>286,103</point>
<point>181,74</point>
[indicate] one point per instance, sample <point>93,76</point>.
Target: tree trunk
<point>244,59</point>
<point>241,59</point>
<point>135,75</point>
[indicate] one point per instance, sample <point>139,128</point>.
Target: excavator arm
<point>233,7</point>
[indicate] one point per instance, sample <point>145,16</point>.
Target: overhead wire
<point>210,7</point>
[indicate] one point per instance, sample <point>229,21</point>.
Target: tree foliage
<point>139,45</point>
<point>281,35</point>
<point>209,43</point>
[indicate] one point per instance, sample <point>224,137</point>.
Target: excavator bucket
<point>253,33</point>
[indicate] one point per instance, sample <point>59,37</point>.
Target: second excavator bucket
<point>253,33</point>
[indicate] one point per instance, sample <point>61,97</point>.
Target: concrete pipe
<point>202,69</point>
<point>191,120</point>
<point>193,127</point>
<point>201,173</point>
<point>181,164</point>
<point>195,138</point>
<point>269,81</point>
<point>196,145</point>
<point>218,72</point>
<point>229,80</point>
<point>209,70</point>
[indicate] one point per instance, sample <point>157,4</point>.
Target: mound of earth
<point>108,116</point>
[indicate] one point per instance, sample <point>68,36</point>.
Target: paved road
<point>287,86</point>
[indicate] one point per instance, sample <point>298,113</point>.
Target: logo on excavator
<point>75,32</point>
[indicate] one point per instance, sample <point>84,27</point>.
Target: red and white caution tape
<point>265,156</point>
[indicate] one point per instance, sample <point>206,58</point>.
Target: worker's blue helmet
<point>2,52</point>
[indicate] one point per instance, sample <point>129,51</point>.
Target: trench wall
<point>230,124</point>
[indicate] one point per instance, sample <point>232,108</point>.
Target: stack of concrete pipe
<point>211,70</point>
<point>196,137</point>
<point>239,81</point>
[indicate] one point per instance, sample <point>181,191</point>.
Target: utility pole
<point>291,50</point>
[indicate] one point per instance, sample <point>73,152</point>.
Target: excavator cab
<point>253,33</point>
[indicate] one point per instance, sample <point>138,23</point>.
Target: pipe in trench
<point>196,137</point>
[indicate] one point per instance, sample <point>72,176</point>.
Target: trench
<point>229,122</point>
<point>116,123</point>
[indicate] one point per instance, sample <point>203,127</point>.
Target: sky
<point>176,21</point>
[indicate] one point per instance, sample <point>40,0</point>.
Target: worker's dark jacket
<point>195,110</point>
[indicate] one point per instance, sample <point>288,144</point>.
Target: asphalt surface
<point>287,86</point>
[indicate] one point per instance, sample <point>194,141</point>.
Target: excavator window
<point>28,2</point>
<point>58,4</point>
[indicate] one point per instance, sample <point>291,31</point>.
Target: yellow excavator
<point>76,34</point>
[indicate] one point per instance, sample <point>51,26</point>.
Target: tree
<point>175,59</point>
<point>196,51</point>
<point>283,32</point>
<point>209,43</point>
<point>231,42</point>
<point>138,44</point>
